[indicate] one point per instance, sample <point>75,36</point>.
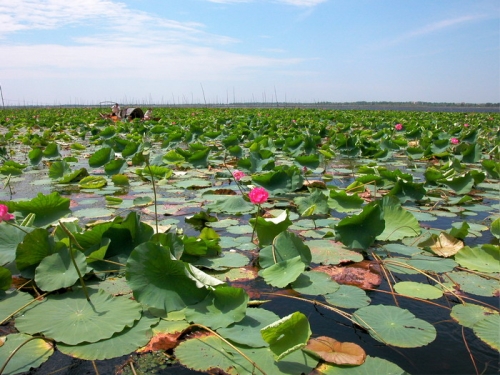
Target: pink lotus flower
<point>398,127</point>
<point>4,213</point>
<point>466,125</point>
<point>454,141</point>
<point>238,175</point>
<point>258,195</point>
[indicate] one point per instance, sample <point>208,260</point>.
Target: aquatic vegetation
<point>177,234</point>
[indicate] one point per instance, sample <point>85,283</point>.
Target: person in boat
<point>115,110</point>
<point>149,114</point>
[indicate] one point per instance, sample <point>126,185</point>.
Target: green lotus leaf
<point>5,278</point>
<point>285,246</point>
<point>283,273</point>
<point>57,271</point>
<point>93,212</point>
<point>472,154</point>
<point>227,260</point>
<point>492,167</point>
<point>484,259</point>
<point>199,159</point>
<point>192,183</point>
<point>173,157</point>
<point>406,190</point>
<point>91,321</point>
<point>348,297</point>
<point>247,330</point>
<point>460,232</point>
<point>418,290</point>
<point>158,172</point>
<point>268,228</point>
<point>341,202</point>
<point>130,149</point>
<point>471,283</point>
<point>58,169</point>
<point>314,283</point>
<point>234,204</point>
<point>282,180</point>
<point>460,184</point>
<point>10,237</point>
<point>120,344</point>
<point>309,161</point>
<point>399,223</point>
<point>73,176</point>
<point>258,161</point>
<point>331,252</point>
<point>47,208</point>
<point>433,264</point>
<point>120,180</point>
<point>495,228</point>
<point>317,199</point>
<point>287,334</point>
<point>101,157</point>
<point>487,330</point>
<point>12,303</point>
<point>222,306</point>
<point>159,281</point>
<point>107,133</point>
<point>360,231</point>
<point>35,156</point>
<point>35,247</point>
<point>395,326</point>
<point>468,315</point>
<point>115,166</point>
<point>372,365</point>
<point>51,151</point>
<point>93,182</point>
<point>29,356</point>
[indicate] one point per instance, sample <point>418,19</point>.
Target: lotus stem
<point>95,368</point>
<point>154,192</point>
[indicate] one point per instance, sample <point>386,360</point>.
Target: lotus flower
<point>238,175</point>
<point>4,213</point>
<point>454,141</point>
<point>398,127</point>
<point>466,125</point>
<point>258,195</point>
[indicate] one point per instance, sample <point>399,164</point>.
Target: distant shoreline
<point>369,106</point>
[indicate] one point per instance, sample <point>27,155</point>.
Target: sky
<point>85,52</point>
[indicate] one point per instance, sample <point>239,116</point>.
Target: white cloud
<point>303,3</point>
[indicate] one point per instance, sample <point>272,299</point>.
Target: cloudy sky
<point>224,51</point>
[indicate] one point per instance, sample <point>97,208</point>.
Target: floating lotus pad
<point>29,356</point>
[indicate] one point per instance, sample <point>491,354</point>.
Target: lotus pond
<point>250,241</point>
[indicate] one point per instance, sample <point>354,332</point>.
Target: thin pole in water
<point>1,94</point>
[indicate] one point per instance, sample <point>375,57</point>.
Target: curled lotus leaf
<point>333,351</point>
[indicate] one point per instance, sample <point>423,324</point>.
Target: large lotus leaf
<point>444,245</point>
<point>395,326</point>
<point>487,330</point>
<point>35,247</point>
<point>93,182</point>
<point>192,183</point>
<point>121,343</point>
<point>223,306</point>
<point>29,356</point>
<point>331,252</point>
<point>310,161</point>
<point>484,259</point>
<point>160,281</point>
<point>495,228</point>
<point>371,366</point>
<point>267,229</point>
<point>247,330</point>
<point>360,231</point>
<point>472,154</point>
<point>173,157</point>
<point>492,167</point>
<point>130,149</point>
<point>349,297</point>
<point>57,271</point>
<point>341,202</point>
<point>315,283</point>
<point>474,284</point>
<point>418,290</point>
<point>333,351</point>
<point>460,184</point>
<point>399,223</point>
<point>317,199</point>
<point>158,172</point>
<point>426,263</point>
<point>258,161</point>
<point>5,278</point>
<point>287,334</point>
<point>58,169</point>
<point>406,190</point>
<point>199,159</point>
<point>51,151</point>
<point>47,208</point>
<point>90,321</point>
<point>35,156</point>
<point>73,176</point>
<point>101,157</point>
<point>12,303</point>
<point>10,237</point>
<point>115,166</point>
<point>225,261</point>
<point>286,245</point>
<point>468,315</point>
<point>283,273</point>
<point>282,180</point>
<point>234,204</point>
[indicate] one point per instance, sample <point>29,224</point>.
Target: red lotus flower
<point>4,213</point>
<point>454,141</point>
<point>238,175</point>
<point>398,127</point>
<point>258,195</point>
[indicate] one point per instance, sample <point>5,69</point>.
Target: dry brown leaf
<point>364,274</point>
<point>446,245</point>
<point>333,351</point>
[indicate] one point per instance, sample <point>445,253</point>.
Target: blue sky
<point>221,51</point>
